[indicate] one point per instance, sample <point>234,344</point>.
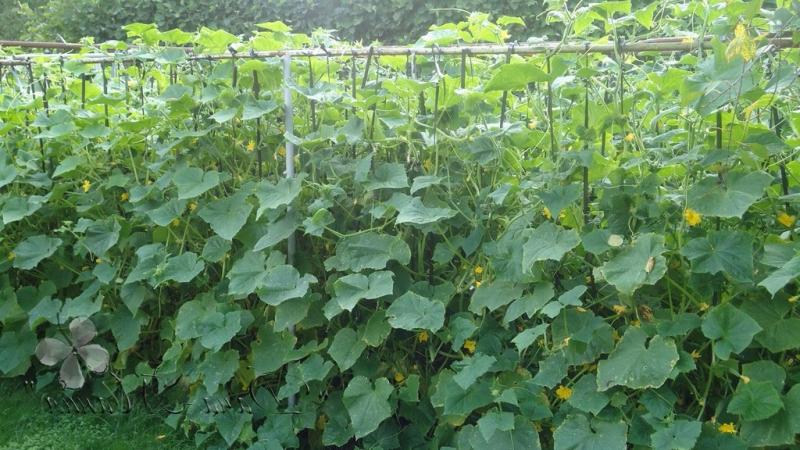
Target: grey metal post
<point>288,122</point>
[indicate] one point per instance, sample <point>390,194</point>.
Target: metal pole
<point>288,122</point>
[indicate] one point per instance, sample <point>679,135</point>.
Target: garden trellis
<point>471,245</point>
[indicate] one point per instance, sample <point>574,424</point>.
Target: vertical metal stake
<point>288,122</point>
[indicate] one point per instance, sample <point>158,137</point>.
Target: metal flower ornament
<point>51,351</point>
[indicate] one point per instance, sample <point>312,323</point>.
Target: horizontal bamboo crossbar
<point>662,45</point>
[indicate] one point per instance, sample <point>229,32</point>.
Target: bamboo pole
<point>664,45</point>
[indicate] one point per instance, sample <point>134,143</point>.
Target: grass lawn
<point>27,424</point>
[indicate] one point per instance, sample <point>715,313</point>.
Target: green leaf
<point>781,335</point>
<point>192,181</point>
<point>273,196</point>
<point>730,252</point>
<point>204,318</point>
<point>366,404</point>
<point>524,339</point>
<point>635,365</point>
<point>560,197</point>
<point>181,268</point>
<point>778,430</point>
<point>368,251</point>
<point>387,176</point>
<point>16,348</point>
<point>586,397</point>
<point>548,241</point>
<point>33,250</point>
<point>530,304</point>
<point>493,295</point>
<point>412,312</point>
<point>7,172</point>
<point>346,348</point>
<point>495,421</point>
<point>284,283</point>
<point>514,76</point>
<point>680,434</point>
<point>521,436</point>
<point>315,368</point>
<point>731,329</point>
<point>215,249</point>
<point>731,198</point>
<point>756,400</point>
<point>228,215</point>
<point>278,231</point>
<point>628,271</point>
<point>18,208</point>
<point>781,277</point>
<point>271,350</point>
<point>471,368</point>
<point>100,236</point>
<point>247,274</point>
<point>417,213</point>
<point>218,368</point>
<point>350,289</point>
<point>575,433</point>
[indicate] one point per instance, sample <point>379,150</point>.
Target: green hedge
<point>391,21</point>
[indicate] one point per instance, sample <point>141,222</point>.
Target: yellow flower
<point>427,165</point>
<point>786,219</point>
<point>282,151</point>
<point>477,284</point>
<point>504,35</point>
<point>563,392</point>
<point>741,44</point>
<point>619,309</point>
<point>687,40</point>
<point>702,306</point>
<point>692,217</point>
<point>469,346</point>
<point>86,185</point>
<point>251,146</point>
<point>175,222</point>
<point>728,428</point>
<point>422,336</point>
<point>532,124</point>
<point>98,260</point>
<point>636,323</point>
<point>478,270</point>
<point>546,213</point>
<point>745,379</point>
<point>192,206</point>
<point>695,354</point>
<point>629,137</point>
<point>399,377</point>
<point>11,256</point>
<point>161,437</point>
<point>124,197</point>
<point>793,298</point>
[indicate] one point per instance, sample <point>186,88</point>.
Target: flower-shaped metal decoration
<point>51,351</point>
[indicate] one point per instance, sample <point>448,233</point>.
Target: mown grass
<point>26,423</point>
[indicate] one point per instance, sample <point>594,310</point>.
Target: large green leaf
<point>548,241</point>
<point>755,400</point>
<point>680,434</point>
<point>100,236</point>
<point>628,270</point>
<point>412,311</point>
<point>731,329</point>
<point>494,295</point>
<point>350,289</point>
<point>346,348</point>
<point>636,365</point>
<point>730,252</point>
<point>228,215</point>
<point>192,181</point>
<point>273,196</point>
<point>33,250</point>
<point>730,198</point>
<point>367,404</point>
<point>368,251</point>
<point>204,319</point>
<point>576,433</point>
<point>417,213</point>
<point>515,76</point>
<point>283,283</point>
<point>781,277</point>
